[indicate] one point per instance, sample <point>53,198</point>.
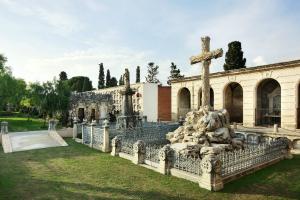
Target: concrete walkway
<point>22,141</point>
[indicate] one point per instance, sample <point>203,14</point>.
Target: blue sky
<point>42,38</point>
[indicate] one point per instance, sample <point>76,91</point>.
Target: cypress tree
<point>121,80</point>
<point>108,84</point>
<point>138,74</point>
<point>152,73</point>
<point>234,56</point>
<point>101,76</point>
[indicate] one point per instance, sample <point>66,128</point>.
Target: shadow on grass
<point>57,173</point>
<point>281,180</point>
<point>67,190</point>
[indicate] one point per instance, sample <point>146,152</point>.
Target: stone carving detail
<point>116,142</point>
<point>127,119</point>
<point>164,153</point>
<point>139,147</point>
<point>204,128</point>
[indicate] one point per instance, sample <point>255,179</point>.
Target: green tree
<point>101,77</point>
<point>234,56</point>
<point>121,80</point>
<point>108,79</point>
<point>152,73</point>
<point>63,92</point>
<point>113,82</point>
<point>3,60</point>
<point>63,76</point>
<point>80,84</point>
<point>138,74</point>
<point>174,73</point>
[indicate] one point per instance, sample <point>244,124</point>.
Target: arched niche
<point>233,101</point>
<point>268,103</point>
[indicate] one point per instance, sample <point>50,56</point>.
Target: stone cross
<point>205,57</point>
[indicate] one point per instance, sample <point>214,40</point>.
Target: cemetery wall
<point>287,74</point>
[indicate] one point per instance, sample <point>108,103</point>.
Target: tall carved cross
<point>205,57</point>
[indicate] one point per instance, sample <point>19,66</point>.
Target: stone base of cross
<point>205,58</point>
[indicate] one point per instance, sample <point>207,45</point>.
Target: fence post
<point>84,122</point>
<point>164,159</point>
<point>116,146</point>
<point>139,150</point>
<point>75,128</point>
<point>4,127</point>
<point>105,145</point>
<point>93,124</point>
<point>52,125</point>
<point>211,167</point>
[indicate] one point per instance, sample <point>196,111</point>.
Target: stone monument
<point>205,129</point>
<point>127,118</point>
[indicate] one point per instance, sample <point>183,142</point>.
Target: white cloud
<point>85,63</point>
<point>259,60</point>
<point>54,16</point>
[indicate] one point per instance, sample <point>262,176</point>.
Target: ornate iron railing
<point>152,152</point>
<point>239,160</point>
<point>98,136</point>
<point>86,134</point>
<point>187,163</point>
<point>127,147</point>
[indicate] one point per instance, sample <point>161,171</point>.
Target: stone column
<point>52,125</point>
<point>116,146</point>
<point>105,145</point>
<point>139,151</point>
<point>93,124</point>
<point>205,73</point>
<point>211,169</point>
<point>164,159</point>
<point>4,127</point>
<point>84,122</point>
<point>75,128</point>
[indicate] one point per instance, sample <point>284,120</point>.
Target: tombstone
<point>127,118</point>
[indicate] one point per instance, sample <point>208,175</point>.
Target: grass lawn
<point>16,124</point>
<point>79,172</point>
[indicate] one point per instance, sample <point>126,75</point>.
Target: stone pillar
<point>75,128</point>
<point>139,151</point>
<point>93,124</point>
<point>211,169</point>
<point>164,159</point>
<point>105,145</point>
<point>275,128</point>
<point>116,146</point>
<point>52,125</point>
<point>84,122</point>
<point>4,127</point>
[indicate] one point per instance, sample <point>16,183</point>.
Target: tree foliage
<point>113,82</point>
<point>63,76</point>
<point>101,77</point>
<point>234,56</point>
<point>174,73</point>
<point>108,83</point>
<point>138,74</point>
<point>152,73</point>
<point>3,60</point>
<point>121,80</point>
<point>80,84</point>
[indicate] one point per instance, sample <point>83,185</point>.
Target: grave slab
<point>23,141</point>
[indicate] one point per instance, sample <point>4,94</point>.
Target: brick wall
<point>164,103</point>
